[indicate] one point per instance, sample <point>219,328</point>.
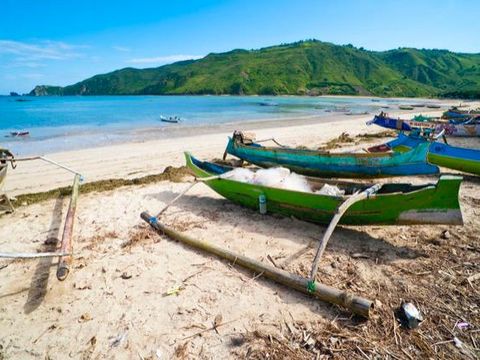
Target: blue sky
<point>60,42</point>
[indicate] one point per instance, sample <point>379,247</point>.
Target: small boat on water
<point>393,204</point>
<point>452,157</point>
<point>467,127</point>
<point>19,133</point>
<point>405,107</point>
<point>321,163</point>
<point>433,106</point>
<point>170,119</point>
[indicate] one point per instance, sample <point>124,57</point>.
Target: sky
<point>60,42</point>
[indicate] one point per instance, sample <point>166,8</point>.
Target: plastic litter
<point>409,316</point>
<point>463,325</point>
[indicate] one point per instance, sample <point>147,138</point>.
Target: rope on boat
<point>271,139</point>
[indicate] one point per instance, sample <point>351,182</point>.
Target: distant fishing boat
<point>433,106</point>
<point>321,163</point>
<point>170,119</point>
<point>468,127</point>
<point>393,204</point>
<point>405,107</point>
<point>418,105</point>
<point>357,113</point>
<point>267,103</point>
<point>452,157</point>
<point>19,133</point>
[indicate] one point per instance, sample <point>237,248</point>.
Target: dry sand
<point>115,305</point>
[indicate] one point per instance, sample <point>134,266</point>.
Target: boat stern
<point>444,207</point>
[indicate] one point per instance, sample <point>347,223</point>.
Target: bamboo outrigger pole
<point>333,223</point>
<point>356,304</point>
<point>66,246</point>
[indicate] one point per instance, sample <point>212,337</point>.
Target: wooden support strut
<point>66,245</point>
<point>356,304</point>
<point>333,223</point>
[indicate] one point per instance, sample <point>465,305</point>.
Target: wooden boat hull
<point>452,157</point>
<point>394,204</point>
<point>451,129</point>
<point>346,165</point>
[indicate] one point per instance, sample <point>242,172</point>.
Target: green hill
<point>305,67</point>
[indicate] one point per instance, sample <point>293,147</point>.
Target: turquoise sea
<point>66,123</point>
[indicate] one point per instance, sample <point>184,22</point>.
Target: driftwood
<point>356,304</point>
<point>66,246</point>
<point>333,223</point>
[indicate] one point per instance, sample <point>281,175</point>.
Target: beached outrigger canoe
<point>393,204</point>
<point>467,127</point>
<point>452,157</point>
<point>321,163</point>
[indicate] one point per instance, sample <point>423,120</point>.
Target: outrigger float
<point>65,250</point>
<point>363,204</point>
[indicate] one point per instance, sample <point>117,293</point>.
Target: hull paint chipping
<point>449,217</point>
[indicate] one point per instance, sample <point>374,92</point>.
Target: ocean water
<point>73,122</point>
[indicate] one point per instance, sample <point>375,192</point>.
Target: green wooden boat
<point>394,204</point>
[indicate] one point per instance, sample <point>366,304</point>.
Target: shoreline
<point>129,159</point>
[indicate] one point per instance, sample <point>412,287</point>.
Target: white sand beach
<point>134,294</point>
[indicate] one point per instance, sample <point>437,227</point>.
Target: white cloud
<point>164,59</point>
<point>43,50</point>
<point>121,48</point>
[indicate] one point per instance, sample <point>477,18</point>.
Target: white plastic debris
<point>330,190</point>
<point>409,316</point>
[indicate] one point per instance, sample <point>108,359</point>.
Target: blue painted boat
<point>390,123</point>
<point>452,157</point>
<point>320,163</point>
<point>464,127</point>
